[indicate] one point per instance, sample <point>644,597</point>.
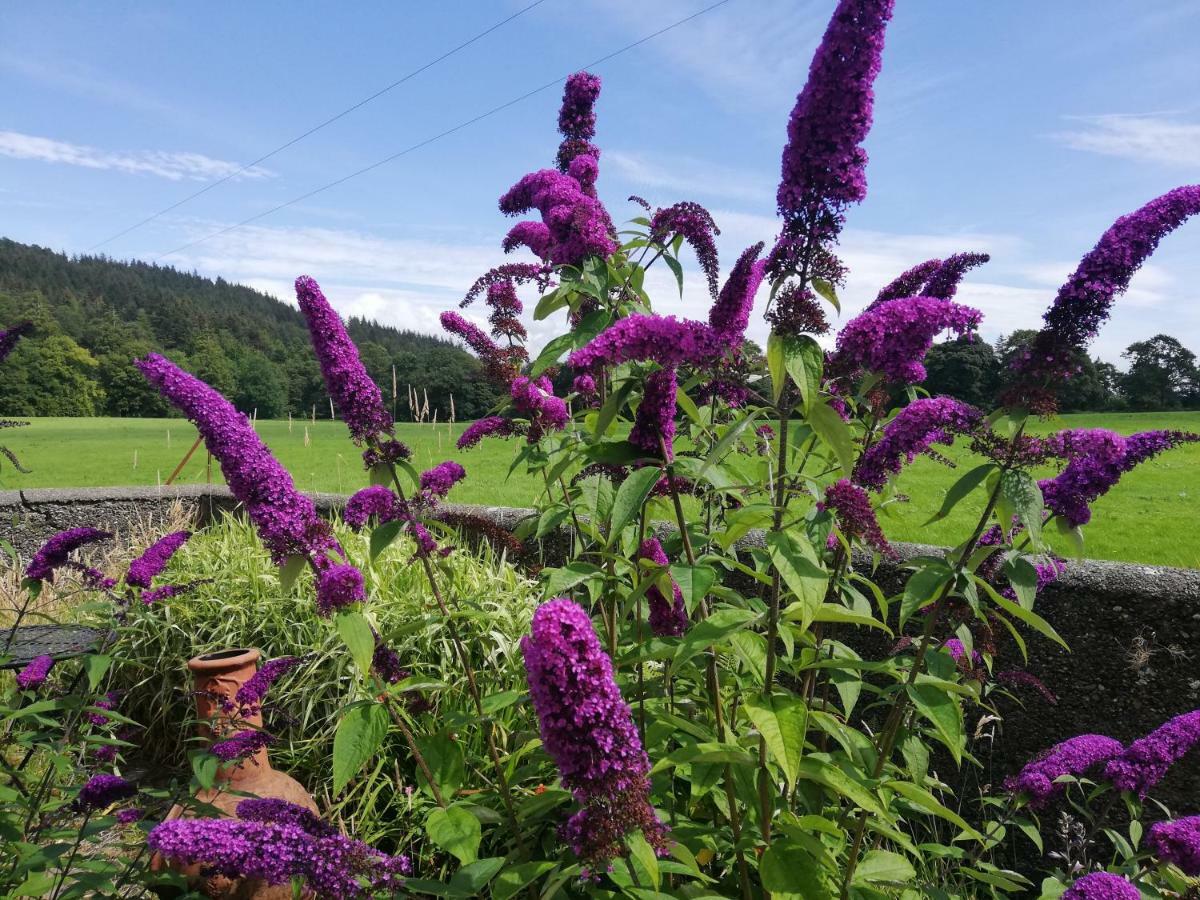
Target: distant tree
<point>260,389</point>
<point>963,368</point>
<point>51,375</point>
<point>1095,386</point>
<point>209,362</point>
<point>1162,374</point>
<point>126,392</point>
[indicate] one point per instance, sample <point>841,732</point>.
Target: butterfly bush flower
<point>855,518</point>
<point>34,673</point>
<point>795,310</point>
<point>167,591</point>
<point>386,663</point>
<point>338,586</point>
<point>588,730</point>
<point>695,224</point>
<point>1102,886</point>
<point>9,337</point>
<point>241,745</point>
<point>1084,302</point>
<point>286,520</point>
<point>921,424</point>
<point>1074,757</point>
<point>731,312</point>
<point>534,398</point>
<point>505,307</point>
<point>498,365</point>
<point>249,696</point>
<point>893,337</point>
<point>1177,842</point>
<point>102,791</point>
<point>944,280</point>
<point>376,500</point>
<point>666,340</point>
<point>54,554</point>
<point>824,163</point>
<point>154,559</point>
<point>355,393</point>
<point>577,115</point>
<point>667,618</point>
<point>438,481</point>
<point>584,386</point>
<point>654,425</point>
<point>282,812</point>
<point>385,451</point>
<point>1147,760</point>
<point>534,235</point>
<point>489,426</point>
<point>577,225</point>
<point>907,284</point>
<point>513,273</point>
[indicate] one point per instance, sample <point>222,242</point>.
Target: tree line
<point>93,315</point>
<point>1162,374</point>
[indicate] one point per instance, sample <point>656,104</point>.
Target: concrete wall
<point>1134,630</point>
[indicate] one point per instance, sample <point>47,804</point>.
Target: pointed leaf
<point>356,634</point>
<point>780,719</point>
<point>359,735</point>
<point>456,831</point>
<point>630,496</point>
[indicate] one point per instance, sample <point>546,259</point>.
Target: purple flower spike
<point>577,121</point>
<point>1084,302</point>
<point>33,675</point>
<point>355,393</point>
<point>917,427</point>
<point>588,730</point>
<point>9,337</point>
<point>376,500</point>
<point>282,812</point>
<point>907,284</point>
<point>154,559</point>
<point>339,586</point>
<point>577,225</point>
<point>167,591</point>
<point>1177,842</point>
<point>731,313</point>
<point>654,425</point>
<point>893,337</point>
<point>1146,761</point>
<point>102,791</point>
<point>667,618</point>
<point>823,162</point>
<point>1102,886</point>
<point>534,398</point>
<point>241,745</point>
<point>1073,757</point>
<point>438,481</point>
<point>696,225</point>
<point>514,273</point>
<point>488,426</point>
<point>250,695</point>
<point>286,520</point>
<point>855,518</point>
<point>943,281</point>
<point>55,552</point>
<point>499,365</point>
<point>668,341</point>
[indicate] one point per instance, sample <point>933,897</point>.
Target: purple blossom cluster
<point>286,520</point>
<point>499,365</point>
<point>534,398</point>
<point>339,585</point>
<point>576,116</point>
<point>505,307</point>
<point>654,425</point>
<point>668,341</point>
<point>55,553</point>
<point>386,663</point>
<point>588,730</point>
<point>167,591</point>
<point>921,424</point>
<point>241,745</point>
<point>1074,757</point>
<point>108,702</point>
<point>1102,886</point>
<point>154,559</point>
<point>944,279</point>
<point>10,336</point>
<point>1084,301</point>
<point>574,225</point>
<point>488,426</point>
<point>385,451</point>
<point>823,161</point>
<point>695,224</point>
<point>33,674</point>
<point>584,385</point>
<point>437,482</point>
<point>1177,842</point>
<point>796,310</point>
<point>730,314</point>
<point>249,696</point>
<point>282,812</point>
<point>668,618</point>
<point>907,284</point>
<point>855,518</point>
<point>513,273</point>
<point>102,791</point>
<point>355,393</point>
<point>1144,762</point>
<point>376,501</point>
<point>893,337</point>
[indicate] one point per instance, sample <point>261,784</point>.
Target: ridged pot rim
<point>224,660</point>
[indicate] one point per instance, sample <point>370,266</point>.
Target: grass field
<point>1151,517</point>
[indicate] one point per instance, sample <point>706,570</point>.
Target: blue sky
<point>1021,128</point>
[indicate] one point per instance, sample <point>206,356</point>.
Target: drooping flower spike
<point>1076,757</point>
<point>55,553</point>
<point>855,518</point>
<point>249,696</point>
<point>917,427</point>
<point>102,791</point>
<point>730,314</point>
<point>241,745</point>
<point>695,224</point>
<point>534,398</point>
<point>1102,886</point>
<point>500,365</point>
<point>668,618</point>
<point>666,340</point>
<point>944,280</point>
<point>488,426</point>
<point>376,501</point>
<point>577,119</point>
<point>354,392</point>
<point>654,425</point>
<point>1146,761</point>
<point>1177,842</point>
<point>514,273</point>
<point>154,559</point>
<point>33,675</point>
<point>907,284</point>
<point>577,225</point>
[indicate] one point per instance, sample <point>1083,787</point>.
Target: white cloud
<point>689,176</point>
<point>1145,138</point>
<point>173,166</point>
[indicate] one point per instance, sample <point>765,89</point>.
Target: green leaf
<point>805,361</point>
<point>924,800</point>
<point>1021,492</point>
<point>493,703</point>
<point>694,582</point>
<point>551,302</point>
<point>577,337</point>
<point>290,571</point>
<point>833,612</point>
<point>943,711</point>
<point>960,489</point>
<point>922,588</point>
<point>511,880</point>
<point>793,556</point>
<point>204,768</point>
<point>560,581</point>
<point>832,777</point>
<point>1073,535</point>
<point>789,871</point>
<point>707,632</point>
<point>825,289</point>
<point>456,831</point>
<point>776,365</point>
<point>1028,616</point>
<point>470,880</point>
<point>731,435</point>
<point>96,665</point>
<point>446,761</point>
<point>781,719</point>
<point>644,857</point>
<point>356,633</point>
<point>884,865</point>
<point>630,496</point>
<point>615,401</point>
<point>674,266</point>
<point>382,537</point>
<point>359,736</point>
<point>834,433</point>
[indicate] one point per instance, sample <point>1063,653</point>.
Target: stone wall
<point>1134,630</point>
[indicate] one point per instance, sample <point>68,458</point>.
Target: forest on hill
<point>93,315</point>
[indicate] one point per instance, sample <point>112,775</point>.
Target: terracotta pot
<point>216,676</point>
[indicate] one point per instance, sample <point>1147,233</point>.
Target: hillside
<point>93,315</point>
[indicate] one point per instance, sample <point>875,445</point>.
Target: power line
<point>437,137</point>
<point>345,112</point>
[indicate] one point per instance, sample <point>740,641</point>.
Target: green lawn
<point>1150,517</point>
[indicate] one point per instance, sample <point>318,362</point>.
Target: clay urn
<point>217,676</point>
